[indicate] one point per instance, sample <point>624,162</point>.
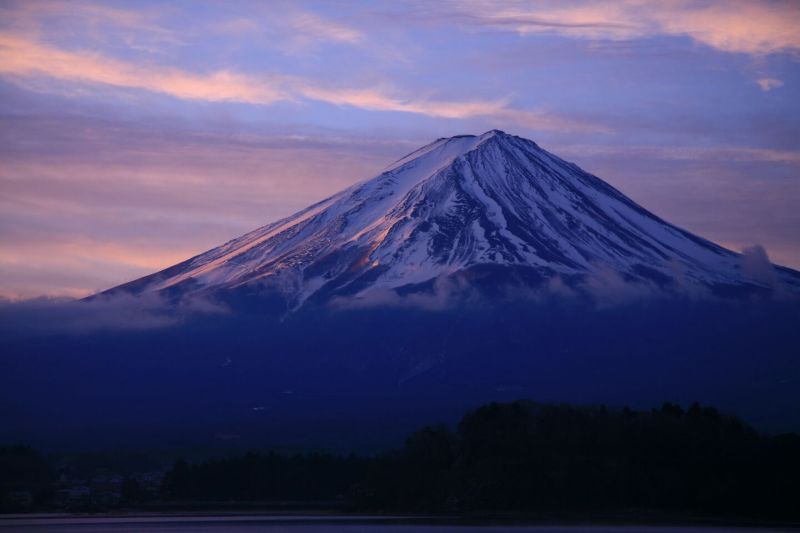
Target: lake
<point>318,524</point>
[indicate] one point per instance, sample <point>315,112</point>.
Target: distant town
<point>38,486</point>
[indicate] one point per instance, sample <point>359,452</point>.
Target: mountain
<point>485,214</point>
<point>463,206</point>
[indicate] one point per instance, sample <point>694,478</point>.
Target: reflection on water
<point>318,524</point>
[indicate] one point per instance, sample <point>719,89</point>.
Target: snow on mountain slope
<point>455,204</point>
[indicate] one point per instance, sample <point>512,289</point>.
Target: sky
<point>134,135</point>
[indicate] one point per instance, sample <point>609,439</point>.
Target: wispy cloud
<point>294,31</point>
<point>36,10</point>
<point>752,27</point>
<point>64,265</point>
<point>314,26</point>
<point>20,56</point>
<point>121,312</point>
<point>381,100</point>
<point>138,29</point>
<point>767,84</point>
<point>23,57</point>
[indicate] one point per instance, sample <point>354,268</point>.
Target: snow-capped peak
<point>456,204</point>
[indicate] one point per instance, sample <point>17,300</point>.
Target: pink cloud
<point>767,84</point>
<point>751,27</point>
<point>20,56</point>
<point>379,100</point>
<point>318,28</point>
<point>293,31</point>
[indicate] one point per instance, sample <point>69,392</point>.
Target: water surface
<point>320,524</point>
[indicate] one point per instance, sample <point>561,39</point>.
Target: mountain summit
<point>460,205</point>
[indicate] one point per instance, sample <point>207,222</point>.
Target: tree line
<point>525,457</point>
<point>514,457</point>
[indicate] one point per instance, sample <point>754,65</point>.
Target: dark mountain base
<point>362,379</point>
